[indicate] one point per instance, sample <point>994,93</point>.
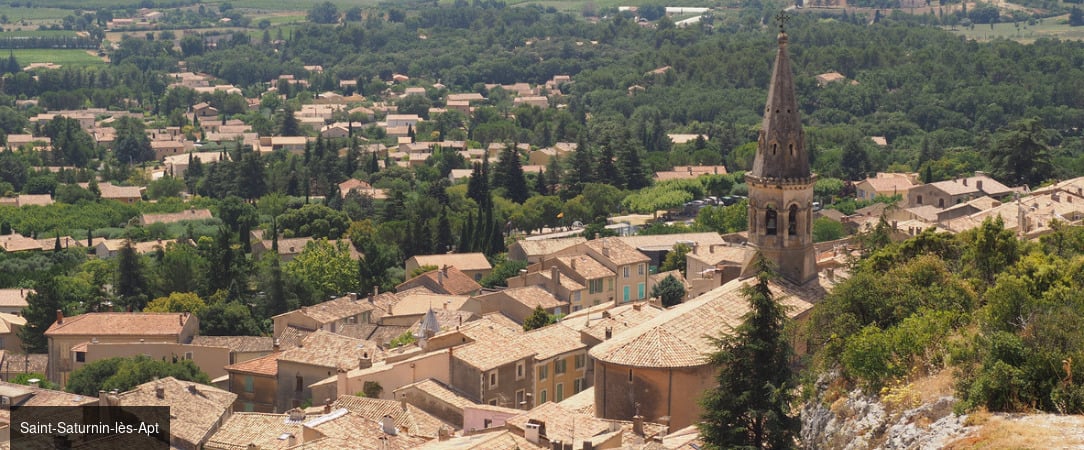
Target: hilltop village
<point>291,246</point>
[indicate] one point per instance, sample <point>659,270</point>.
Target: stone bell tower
<point>780,183</point>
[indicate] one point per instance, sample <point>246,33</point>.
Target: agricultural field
<point>1051,27</point>
<point>15,15</point>
<point>38,33</point>
<point>64,57</point>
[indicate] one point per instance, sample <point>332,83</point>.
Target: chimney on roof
<point>192,389</point>
<point>159,391</point>
<point>365,362</point>
<point>609,333</point>
<point>965,181</point>
<point>440,278</point>
<point>327,405</point>
<point>555,275</point>
<point>387,424</point>
<point>181,319</point>
<point>291,440</point>
<point>402,403</point>
<point>59,317</point>
<point>638,425</point>
<point>573,264</point>
<point>340,380</point>
<point>637,306</point>
<point>275,346</point>
<point>353,296</point>
<point>690,169</point>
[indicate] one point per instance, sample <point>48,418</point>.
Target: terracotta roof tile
<point>533,296</point>
<point>440,391</point>
<point>445,281</point>
<point>194,409</point>
<point>619,252</point>
<point>245,344</point>
<point>461,261</point>
<point>337,309</point>
<point>678,337</point>
<point>550,341</point>
<point>264,365</point>
<point>496,440</point>
<point>546,247</point>
<point>244,428</point>
<point>14,297</point>
<point>414,420</point>
<point>560,422</point>
<point>325,349</point>
<point>121,324</point>
<point>586,266</point>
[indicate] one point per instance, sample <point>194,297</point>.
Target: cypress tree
<point>466,234</point>
<point>540,183</point>
<point>751,406</point>
<point>445,243</point>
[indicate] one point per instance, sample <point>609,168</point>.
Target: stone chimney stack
<point>341,381</point>
<point>59,317</point>
<point>353,296</point>
<point>365,361</point>
<point>327,405</point>
<point>555,275</point>
<point>160,391</point>
<point>638,425</point>
<point>609,333</point>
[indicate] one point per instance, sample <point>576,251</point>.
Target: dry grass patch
<point>1043,431</point>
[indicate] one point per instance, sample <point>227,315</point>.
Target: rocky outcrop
<point>857,421</point>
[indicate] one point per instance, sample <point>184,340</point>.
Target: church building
<point>659,369</point>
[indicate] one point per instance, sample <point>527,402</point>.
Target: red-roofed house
<point>67,333</point>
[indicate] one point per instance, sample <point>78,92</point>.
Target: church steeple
<point>780,183</point>
<point>781,146</point>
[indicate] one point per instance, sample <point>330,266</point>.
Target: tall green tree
<point>509,175</point>
<point>1020,154</point>
<point>40,313</point>
<point>131,287</point>
<point>669,290</point>
<point>752,405</point>
<point>124,374</point>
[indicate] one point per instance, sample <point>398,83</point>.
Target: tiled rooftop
<point>619,252</point>
<point>325,349</point>
<point>561,423</point>
<point>461,261</point>
<point>533,296</point>
<point>264,365</point>
<point>244,344</point>
<point>678,336</point>
<point>496,440</point>
<point>586,266</point>
<point>415,421</point>
<point>194,409</point>
<point>244,428</point>
<point>337,309</point>
<point>552,340</point>
<point>447,281</point>
<point>544,247</point>
<point>441,391</point>
<point>121,324</point>
<point>14,297</point>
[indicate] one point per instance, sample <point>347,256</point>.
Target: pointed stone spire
<point>780,183</point>
<point>781,151</point>
<point>428,326</point>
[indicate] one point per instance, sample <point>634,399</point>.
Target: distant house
<point>534,251</point>
<point>13,300</point>
<point>944,194</point>
<point>402,120</point>
<point>123,194</point>
<point>10,326</point>
<point>886,185</point>
<point>689,172</point>
<point>67,334</point>
<point>255,382</point>
<point>516,303</point>
<point>196,410</point>
<point>320,355</point>
<point>475,265</point>
<point>204,110</point>
<point>330,316</point>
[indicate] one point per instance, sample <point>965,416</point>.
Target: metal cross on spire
<point>782,18</point>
